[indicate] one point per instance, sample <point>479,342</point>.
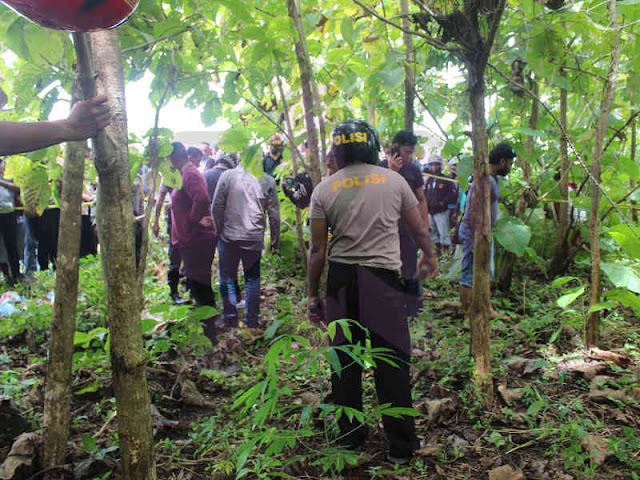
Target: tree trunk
<point>593,319</point>
<point>57,398</point>
<point>481,201</point>
<point>632,186</point>
<point>306,77</point>
<point>115,227</point>
<point>294,157</point>
<point>409,75</point>
<point>509,260</point>
<point>560,260</point>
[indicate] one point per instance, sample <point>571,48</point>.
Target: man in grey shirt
<point>240,207</point>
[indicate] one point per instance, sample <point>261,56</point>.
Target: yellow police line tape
<point>448,179</point>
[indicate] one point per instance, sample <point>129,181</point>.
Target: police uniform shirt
<point>362,205</point>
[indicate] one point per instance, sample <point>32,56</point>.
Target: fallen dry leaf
<point>19,463</point>
<point>617,358</point>
<point>505,472</point>
<point>597,447</point>
<point>510,395</point>
<point>605,395</point>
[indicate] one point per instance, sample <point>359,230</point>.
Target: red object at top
<point>75,15</point>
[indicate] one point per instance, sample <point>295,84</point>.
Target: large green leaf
<point>622,276</point>
<point>512,234</point>
<point>234,139</point>
<point>568,298</point>
<point>170,176</point>
<point>626,298</point>
<point>627,237</point>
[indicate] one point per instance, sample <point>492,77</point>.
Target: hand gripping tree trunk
<point>115,228</point>
<point>306,79</point>
<point>593,318</point>
<point>57,397</point>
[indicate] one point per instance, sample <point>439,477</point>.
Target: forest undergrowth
<point>258,404</point>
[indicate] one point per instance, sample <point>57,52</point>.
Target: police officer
<point>363,203</point>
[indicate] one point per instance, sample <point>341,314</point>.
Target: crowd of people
<point>368,220</point>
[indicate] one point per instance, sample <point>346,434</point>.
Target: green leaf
<point>212,110</point>
<point>204,312</point>
<point>234,139</point>
<point>170,176</point>
<point>45,46</point>
<point>392,78</point>
<point>148,324</point>
<point>465,170</point>
<point>82,338</point>
<point>346,29</point>
<point>626,298</point>
<point>88,443</point>
<point>560,281</point>
<point>512,234</point>
<point>601,306</point>
<point>567,299</point>
<point>622,276</point>
<point>627,238</point>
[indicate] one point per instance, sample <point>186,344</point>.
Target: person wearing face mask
<point>274,156</point>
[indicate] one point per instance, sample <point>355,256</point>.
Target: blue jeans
<point>229,257</point>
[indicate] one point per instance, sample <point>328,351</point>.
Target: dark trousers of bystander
<point>197,259</point>
<point>45,230</point>
<point>409,257</point>
<point>9,229</point>
<point>173,273</point>
<point>374,298</point>
<point>88,240</point>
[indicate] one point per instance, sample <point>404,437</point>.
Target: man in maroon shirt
<point>192,232</point>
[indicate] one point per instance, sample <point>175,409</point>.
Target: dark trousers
<point>45,230</point>
<point>203,295</point>
<point>409,257</point>
<point>173,275</point>
<point>9,229</point>
<point>393,386</point>
<point>88,241</point>
<point>380,295</point>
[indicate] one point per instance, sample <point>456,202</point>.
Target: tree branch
<point>430,40</point>
<point>157,40</point>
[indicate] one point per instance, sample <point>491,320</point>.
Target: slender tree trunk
<point>115,226</point>
<point>481,201</point>
<point>371,112</point>
<point>593,319</point>
<point>409,75</point>
<point>306,77</point>
<point>560,260</point>
<point>153,163</point>
<point>509,260</point>
<point>634,143</point>
<point>57,397</point>
<point>294,157</point>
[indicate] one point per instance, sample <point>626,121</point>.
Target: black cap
<point>502,150</point>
